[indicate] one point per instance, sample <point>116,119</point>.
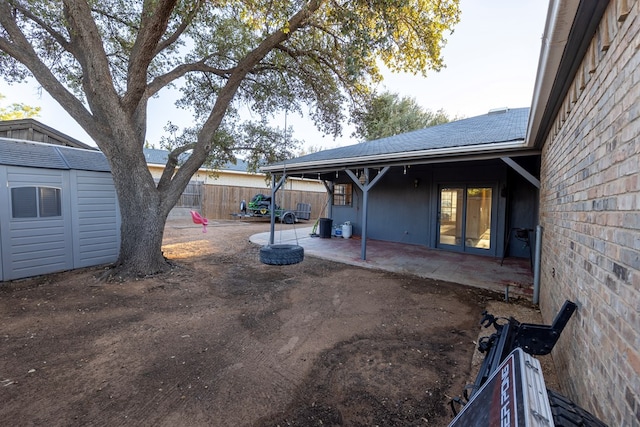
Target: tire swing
<point>280,254</point>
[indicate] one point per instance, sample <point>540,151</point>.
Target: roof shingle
<point>500,126</point>
<point>15,152</point>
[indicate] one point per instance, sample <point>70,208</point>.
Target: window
<point>342,195</point>
<point>34,202</point>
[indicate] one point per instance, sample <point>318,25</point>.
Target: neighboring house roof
<point>158,157</point>
<point>33,130</point>
<point>502,129</point>
<point>15,152</point>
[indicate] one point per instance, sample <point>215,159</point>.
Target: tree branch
<point>181,28</point>
<point>154,24</point>
<point>161,81</point>
<point>19,48</point>
<point>63,42</point>
<point>172,161</point>
<point>89,51</point>
<point>227,93</point>
<point>114,18</point>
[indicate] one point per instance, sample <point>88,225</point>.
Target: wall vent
<point>499,110</point>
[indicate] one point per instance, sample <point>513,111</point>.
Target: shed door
<point>465,218</point>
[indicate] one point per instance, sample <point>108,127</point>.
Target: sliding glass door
<point>465,218</point>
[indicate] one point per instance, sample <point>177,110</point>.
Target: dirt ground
<point>223,340</point>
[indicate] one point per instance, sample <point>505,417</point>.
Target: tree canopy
<point>17,111</point>
<point>103,60</point>
<point>387,114</point>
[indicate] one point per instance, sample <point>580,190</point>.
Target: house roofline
<point>568,32</point>
<point>437,155</point>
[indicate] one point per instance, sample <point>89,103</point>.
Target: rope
<point>284,174</point>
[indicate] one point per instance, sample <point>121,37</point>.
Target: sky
<point>491,62</point>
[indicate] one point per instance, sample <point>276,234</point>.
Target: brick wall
<point>590,211</point>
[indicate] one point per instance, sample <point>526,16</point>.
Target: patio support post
<point>365,210</point>
<point>365,201</point>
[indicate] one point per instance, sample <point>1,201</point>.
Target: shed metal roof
<point>15,152</point>
<point>473,135</point>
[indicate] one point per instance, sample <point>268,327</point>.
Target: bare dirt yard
<point>223,340</point>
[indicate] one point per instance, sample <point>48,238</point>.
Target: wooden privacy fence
<point>219,202</point>
<point>191,197</point>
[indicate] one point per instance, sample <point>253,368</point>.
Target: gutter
<point>554,39</point>
<point>568,32</point>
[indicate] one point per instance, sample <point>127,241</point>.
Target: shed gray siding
<point>33,246</point>
<point>95,218</point>
<point>86,233</point>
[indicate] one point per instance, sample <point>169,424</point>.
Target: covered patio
<point>513,276</point>
<point>424,201</point>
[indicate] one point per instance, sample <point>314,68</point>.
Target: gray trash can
<point>325,227</point>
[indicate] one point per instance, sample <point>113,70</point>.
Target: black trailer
<point>260,207</point>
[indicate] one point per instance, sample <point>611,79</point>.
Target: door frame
<point>493,249</point>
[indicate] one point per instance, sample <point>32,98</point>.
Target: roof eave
<point>493,150</point>
<point>569,29</point>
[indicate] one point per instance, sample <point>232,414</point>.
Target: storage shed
<point>58,209</point>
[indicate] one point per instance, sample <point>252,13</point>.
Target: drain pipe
<point>536,266</point>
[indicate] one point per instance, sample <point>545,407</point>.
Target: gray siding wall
<point>96,222</point>
<point>522,213</point>
<point>87,233</point>
<point>33,246</point>
<point>400,211</point>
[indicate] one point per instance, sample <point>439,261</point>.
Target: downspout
<point>536,265</point>
<point>560,16</point>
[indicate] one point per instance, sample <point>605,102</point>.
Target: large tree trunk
<point>141,233</point>
<point>143,210</point>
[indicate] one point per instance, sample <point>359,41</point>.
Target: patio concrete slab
<point>471,270</point>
